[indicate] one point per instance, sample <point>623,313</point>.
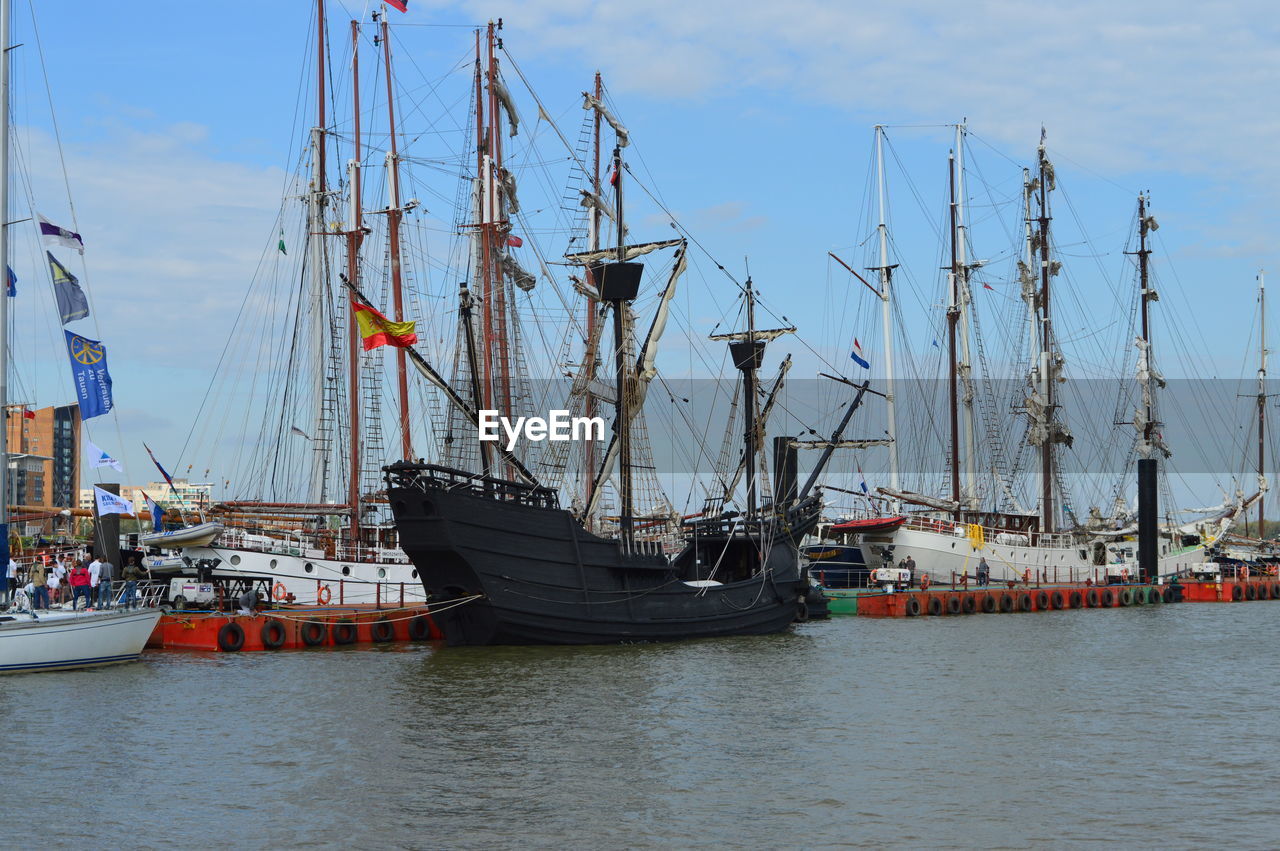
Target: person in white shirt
<point>95,569</point>
<point>54,584</point>
<point>10,585</point>
<point>60,570</point>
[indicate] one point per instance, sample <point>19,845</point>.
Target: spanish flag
<point>378,330</point>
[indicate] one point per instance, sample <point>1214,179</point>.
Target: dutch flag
<point>857,356</point>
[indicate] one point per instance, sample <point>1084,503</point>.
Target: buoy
<point>272,635</point>
<point>324,595</point>
<point>344,632</point>
<point>312,634</point>
<point>278,591</point>
<point>383,630</point>
<point>231,637</point>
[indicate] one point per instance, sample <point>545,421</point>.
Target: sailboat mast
<point>394,216</point>
<point>953,317</point>
<point>4,264</point>
<point>748,366</point>
<point>886,312</point>
<point>622,415</point>
<point>497,224</point>
<point>590,462</point>
<point>320,331</point>
<point>1047,523</point>
<point>479,364</point>
<point>1144,272</point>
<point>1262,394</point>
<point>965,303</point>
<point>354,236</point>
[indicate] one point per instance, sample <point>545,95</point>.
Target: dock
<point>292,628</point>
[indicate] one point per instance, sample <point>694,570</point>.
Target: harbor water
<point>1152,726</point>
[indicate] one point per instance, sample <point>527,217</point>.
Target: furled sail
<point>590,102</point>
<point>507,182</point>
<point>523,279</point>
<point>504,97</point>
<point>591,200</point>
<point>631,252</point>
<point>913,498</point>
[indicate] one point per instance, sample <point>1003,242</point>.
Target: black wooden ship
<point>503,563</point>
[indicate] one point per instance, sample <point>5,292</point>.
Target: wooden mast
<point>321,332</point>
<point>481,361</point>
<point>590,462</point>
<point>1144,254</point>
<point>749,364</point>
<point>622,415</point>
<point>1046,352</point>
<point>354,237</point>
<point>953,317</point>
<point>394,216</point>
<point>1262,395</point>
<point>497,230</point>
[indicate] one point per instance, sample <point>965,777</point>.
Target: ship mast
<point>354,236</point>
<point>394,215</point>
<point>4,263</point>
<point>320,342</point>
<point>953,318</point>
<point>620,292</point>
<point>1047,512</point>
<point>1144,288</point>
<point>886,311</point>
<point>479,364</point>
<point>965,303</point>
<point>747,356</point>
<point>589,462</point>
<point>1262,395</point>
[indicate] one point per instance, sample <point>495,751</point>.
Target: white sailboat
<point>950,536</point>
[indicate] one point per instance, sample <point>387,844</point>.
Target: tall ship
<point>949,534</point>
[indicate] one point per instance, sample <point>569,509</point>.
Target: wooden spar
<point>498,227</point>
<point>590,463</point>
<point>953,317</point>
<point>1046,357</point>
<point>1143,284</point>
<point>1262,395</point>
<point>354,235</point>
<point>394,216</point>
<point>749,400</point>
<point>484,291</point>
<point>320,87</point>
<point>622,416</point>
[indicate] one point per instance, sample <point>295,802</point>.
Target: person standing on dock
<point>984,572</point>
<point>911,567</point>
<point>80,586</point>
<point>106,575</point>
<point>95,576</point>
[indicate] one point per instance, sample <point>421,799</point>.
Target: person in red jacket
<point>80,585</point>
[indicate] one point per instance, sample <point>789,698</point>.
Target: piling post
<point>1148,511</point>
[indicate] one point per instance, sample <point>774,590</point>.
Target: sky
<point>180,124</point>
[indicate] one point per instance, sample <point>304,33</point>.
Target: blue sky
<point>755,119</point>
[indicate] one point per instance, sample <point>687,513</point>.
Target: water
<point>1150,727</point>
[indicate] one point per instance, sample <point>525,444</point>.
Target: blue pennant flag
<point>89,371</point>
<point>857,355</point>
<point>157,513</point>
<point>13,282</point>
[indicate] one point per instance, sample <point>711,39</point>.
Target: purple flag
<point>54,235</point>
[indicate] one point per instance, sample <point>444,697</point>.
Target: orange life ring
<point>324,595</point>
<point>1124,574</point>
<point>278,591</point>
<point>924,581</point>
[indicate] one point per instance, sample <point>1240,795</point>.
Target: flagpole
<point>4,264</point>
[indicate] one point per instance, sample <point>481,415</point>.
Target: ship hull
<point>507,572</point>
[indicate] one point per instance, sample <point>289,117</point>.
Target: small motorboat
<point>200,535</point>
<point>57,639</point>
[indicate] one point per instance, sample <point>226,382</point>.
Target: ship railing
<point>426,477</point>
<point>991,535</point>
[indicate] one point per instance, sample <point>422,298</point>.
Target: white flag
<point>98,458</point>
<point>54,235</point>
<point>109,503</point>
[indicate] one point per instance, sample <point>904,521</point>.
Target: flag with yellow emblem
<point>378,330</point>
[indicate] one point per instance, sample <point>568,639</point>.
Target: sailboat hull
<point>61,641</point>
<point>502,571</point>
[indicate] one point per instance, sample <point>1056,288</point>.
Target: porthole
<point>414,574</point>
<point>346,570</point>
<point>309,567</point>
<point>235,559</point>
<point>273,564</point>
<point>382,573</point>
